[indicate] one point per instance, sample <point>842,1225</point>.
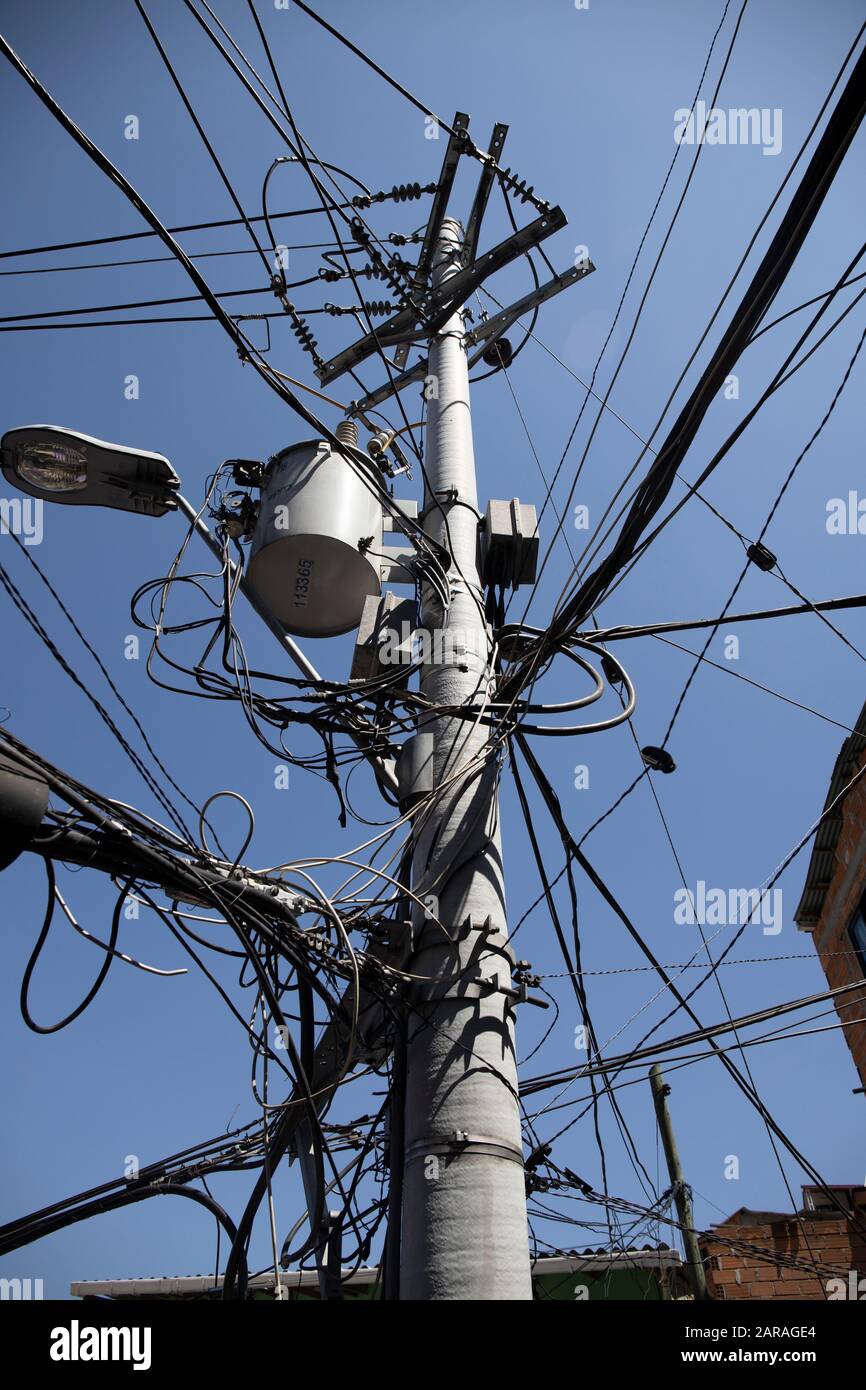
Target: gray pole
<point>464,1207</point>
<point>683,1196</point>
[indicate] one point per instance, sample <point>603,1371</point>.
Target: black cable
<point>769,276</point>
<point>323,246</point>
<point>141,304</point>
<point>616,634</point>
<point>629,278</point>
<point>206,142</point>
<point>25,550</point>
<point>714,624</point>
<point>27,613</point>
<point>380,71</point>
<point>805,305</point>
<point>682,1000</point>
<point>144,236</point>
<point>579,988</point>
<point>207,1152</point>
<point>114,1203</point>
<point>390,1272</point>
<point>785,372</point>
<point>128,323</point>
<point>743,258</point>
<point>37,949</point>
<point>802,454</point>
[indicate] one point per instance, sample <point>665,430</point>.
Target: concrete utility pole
<point>464,1207</point>
<point>683,1197</point>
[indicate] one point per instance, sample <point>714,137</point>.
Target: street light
<point>23,803</point>
<point>60,465</point>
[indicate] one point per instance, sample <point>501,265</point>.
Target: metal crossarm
<point>485,183</point>
<point>485,332</point>
<point>457,144</point>
<point>442,301</point>
<point>501,322</point>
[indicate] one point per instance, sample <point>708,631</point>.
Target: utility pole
<point>682,1193</point>
<point>464,1230</point>
<point>456,1149</point>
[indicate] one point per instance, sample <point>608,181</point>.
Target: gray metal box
<point>378,615</point>
<point>509,543</point>
<point>415,769</point>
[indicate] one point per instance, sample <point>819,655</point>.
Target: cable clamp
<point>461,1143</point>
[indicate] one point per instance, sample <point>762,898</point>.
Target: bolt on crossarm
<point>464,1233</point>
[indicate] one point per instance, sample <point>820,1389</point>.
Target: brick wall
<point>825,1241</point>
<point>830,934</point>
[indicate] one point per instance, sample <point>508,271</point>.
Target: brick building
<point>833,905</point>
<point>813,1254</point>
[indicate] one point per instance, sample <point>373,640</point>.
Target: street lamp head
<point>23,803</point>
<point>60,465</point>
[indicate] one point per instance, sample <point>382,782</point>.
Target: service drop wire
<point>24,1003</point>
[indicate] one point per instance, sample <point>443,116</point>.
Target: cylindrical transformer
<point>318,518</point>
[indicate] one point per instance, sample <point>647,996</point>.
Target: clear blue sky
<point>590,97</point>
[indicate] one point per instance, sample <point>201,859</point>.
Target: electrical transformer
<point>317,546</point>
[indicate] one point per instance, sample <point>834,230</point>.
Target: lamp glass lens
<point>52,466</point>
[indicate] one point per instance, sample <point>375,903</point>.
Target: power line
<point>696,965</point>
<point>799,217</point>
<point>163,260</point>
<point>135,304</point>
<point>802,454</point>
<point>756,301</point>
<point>144,236</point>
<point>136,322</point>
<point>601,887</point>
<point>647,287</point>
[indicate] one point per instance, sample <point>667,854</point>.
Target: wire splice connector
<point>659,759</point>
<point>761,556</point>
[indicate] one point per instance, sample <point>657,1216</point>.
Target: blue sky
<point>590,97</point>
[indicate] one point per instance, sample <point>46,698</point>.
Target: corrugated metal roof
<point>198,1285</point>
